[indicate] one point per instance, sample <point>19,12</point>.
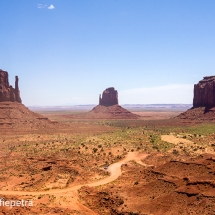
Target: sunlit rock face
<point>204,93</point>
<point>7,92</point>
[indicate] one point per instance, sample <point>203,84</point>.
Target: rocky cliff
<point>203,102</point>
<point>7,92</point>
<point>204,93</point>
<point>109,97</point>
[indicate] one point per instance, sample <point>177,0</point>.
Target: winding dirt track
<point>114,169</point>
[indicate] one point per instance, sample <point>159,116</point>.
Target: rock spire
<point>7,92</point>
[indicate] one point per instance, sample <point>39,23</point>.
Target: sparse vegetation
<point>60,160</point>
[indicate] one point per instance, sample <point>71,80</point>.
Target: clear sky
<point>66,52</point>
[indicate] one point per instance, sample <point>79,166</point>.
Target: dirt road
<point>114,169</point>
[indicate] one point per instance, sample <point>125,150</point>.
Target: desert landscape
<point>107,107</point>
<point>108,160</point>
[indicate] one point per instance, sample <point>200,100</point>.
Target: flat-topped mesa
<point>204,93</point>
<point>109,97</point>
<point>7,92</point>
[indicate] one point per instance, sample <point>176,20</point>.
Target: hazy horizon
<point>131,107</point>
<point>97,104</point>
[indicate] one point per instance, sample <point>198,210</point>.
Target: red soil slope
<point>199,114</point>
<point>14,115</point>
<point>103,112</point>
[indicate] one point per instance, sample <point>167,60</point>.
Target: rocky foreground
<point>172,186</point>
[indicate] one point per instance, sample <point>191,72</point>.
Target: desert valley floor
<point>152,165</point>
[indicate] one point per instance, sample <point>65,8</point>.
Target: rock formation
<point>108,108</point>
<point>204,93</point>
<point>109,97</point>
<point>14,116</point>
<point>7,92</point>
<point>203,101</point>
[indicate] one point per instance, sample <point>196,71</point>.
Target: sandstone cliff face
<point>204,93</point>
<point>7,92</point>
<point>203,102</point>
<point>109,97</point>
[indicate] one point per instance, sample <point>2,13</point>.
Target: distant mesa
<point>7,92</point>
<point>13,114</point>
<point>109,108</point>
<point>109,97</point>
<point>203,101</point>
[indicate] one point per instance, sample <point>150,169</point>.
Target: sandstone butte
<point>109,97</point>
<point>15,115</point>
<point>109,108</point>
<point>7,92</point>
<point>203,101</point>
<point>204,93</point>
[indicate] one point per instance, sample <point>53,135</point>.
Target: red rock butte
<point>109,108</point>
<point>7,92</point>
<point>204,93</point>
<point>15,115</point>
<point>109,97</point>
<point>203,101</point>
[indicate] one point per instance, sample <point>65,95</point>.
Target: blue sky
<point>66,52</point>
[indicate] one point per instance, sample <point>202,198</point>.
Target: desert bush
<point>95,150</point>
<point>175,152</point>
<point>121,202</point>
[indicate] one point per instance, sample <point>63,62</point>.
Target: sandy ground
<point>155,115</point>
<point>175,140</point>
<point>166,170</point>
<point>114,170</point>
